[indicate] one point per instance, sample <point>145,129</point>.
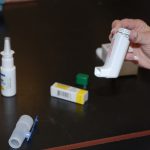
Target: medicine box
<point>69,93</point>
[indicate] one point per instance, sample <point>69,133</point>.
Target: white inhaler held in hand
<point>115,57</point>
<point>8,70</point>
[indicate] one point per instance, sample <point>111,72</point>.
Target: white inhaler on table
<point>115,57</point>
<point>23,127</point>
<point>8,70</point>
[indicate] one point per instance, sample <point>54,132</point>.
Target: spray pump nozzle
<point>7,52</point>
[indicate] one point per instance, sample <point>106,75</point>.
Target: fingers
<point>131,24</point>
<point>116,24</point>
<point>131,57</point>
<point>113,31</point>
<point>139,33</point>
<point>140,37</point>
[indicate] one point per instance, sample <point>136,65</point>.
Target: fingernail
<point>130,50</point>
<point>135,57</point>
<point>114,30</point>
<point>134,35</point>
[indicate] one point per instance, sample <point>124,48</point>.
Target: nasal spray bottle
<point>8,70</point>
<point>115,57</point>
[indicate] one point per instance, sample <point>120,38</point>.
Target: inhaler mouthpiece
<point>115,56</point>
<point>21,131</point>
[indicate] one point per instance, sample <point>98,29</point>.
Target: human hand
<point>139,39</point>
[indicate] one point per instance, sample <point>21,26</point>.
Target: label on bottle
<point>5,82</point>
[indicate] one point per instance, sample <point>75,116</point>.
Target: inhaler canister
<point>115,57</point>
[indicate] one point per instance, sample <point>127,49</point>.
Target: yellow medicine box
<point>69,93</point>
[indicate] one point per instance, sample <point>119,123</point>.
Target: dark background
<point>54,40</point>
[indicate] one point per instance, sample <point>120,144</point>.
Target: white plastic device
<point>128,68</point>
<point>115,57</point>
<point>21,131</point>
<point>8,70</point>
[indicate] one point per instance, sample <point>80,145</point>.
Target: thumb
<point>140,37</point>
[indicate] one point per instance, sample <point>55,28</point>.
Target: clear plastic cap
<point>22,128</point>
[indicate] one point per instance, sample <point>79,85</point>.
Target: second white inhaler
<point>115,57</point>
<point>8,70</point>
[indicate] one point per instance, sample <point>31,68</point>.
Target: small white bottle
<point>115,57</point>
<point>8,70</point>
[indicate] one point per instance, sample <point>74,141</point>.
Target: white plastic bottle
<point>8,70</point>
<point>115,57</point>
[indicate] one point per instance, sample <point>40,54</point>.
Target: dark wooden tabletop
<point>54,40</point>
